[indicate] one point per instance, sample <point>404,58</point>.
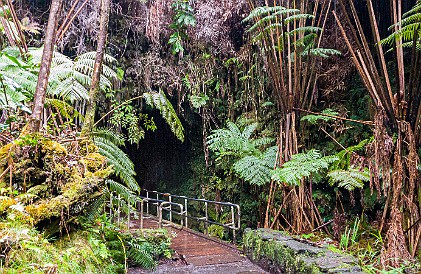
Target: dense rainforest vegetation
<point>304,112</point>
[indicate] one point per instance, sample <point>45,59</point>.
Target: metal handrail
<point>235,209</point>
<point>160,207</point>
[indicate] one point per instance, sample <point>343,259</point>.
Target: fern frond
<point>107,133</point>
<point>314,118</point>
<point>256,169</point>
<point>128,195</point>
<point>65,109</point>
<point>94,210</point>
<point>349,179</point>
<point>142,257</point>
<point>302,165</point>
<point>123,166</point>
<point>159,101</point>
<point>321,52</point>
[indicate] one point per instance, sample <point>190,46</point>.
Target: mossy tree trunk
<point>96,76</point>
<point>44,72</point>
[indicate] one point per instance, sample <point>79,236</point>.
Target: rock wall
<point>279,253</point>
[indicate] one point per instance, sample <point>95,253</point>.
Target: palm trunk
<point>95,87</point>
<point>44,72</point>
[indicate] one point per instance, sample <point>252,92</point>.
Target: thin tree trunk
<point>94,90</point>
<point>44,72</point>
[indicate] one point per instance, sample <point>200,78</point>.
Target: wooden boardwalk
<point>199,254</point>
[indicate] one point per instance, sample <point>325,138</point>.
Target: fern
<point>70,79</point>
<point>409,25</point>
<point>315,119</point>
<point>141,255</point>
<point>66,110</point>
<point>159,101</point>
<point>302,165</point>
<point>256,169</point>
<point>123,191</point>
<point>95,209</point>
<point>123,166</point>
<point>349,179</point>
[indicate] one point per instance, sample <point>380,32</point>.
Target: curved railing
<point>167,202</point>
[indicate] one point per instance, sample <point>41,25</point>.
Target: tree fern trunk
<point>95,88</point>
<point>44,72</point>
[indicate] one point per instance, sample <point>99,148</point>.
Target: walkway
<point>199,254</point>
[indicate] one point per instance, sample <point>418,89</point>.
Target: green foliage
<point>232,141</point>
<point>183,18</point>
<point>123,166</point>
<point>71,79</point>
<point>159,101</point>
<point>409,26</point>
<point>302,165</point>
<point>141,254</point>
<point>315,118</point>
<point>350,236</point>
<point>349,179</point>
<point>270,20</point>
<point>256,169</point>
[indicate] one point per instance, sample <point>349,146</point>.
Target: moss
<point>93,161</point>
<point>274,255</point>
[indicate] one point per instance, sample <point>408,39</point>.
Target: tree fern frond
<point>256,169</point>
<point>321,52</point>
<point>258,12</point>
<point>159,101</point>
<point>315,118</point>
<point>302,165</point>
<point>248,131</point>
<point>296,17</point>
<point>305,29</point>
<point>349,179</point>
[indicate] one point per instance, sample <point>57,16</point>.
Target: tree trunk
<point>44,72</point>
<point>95,88</point>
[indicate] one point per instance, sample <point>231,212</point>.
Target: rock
<point>279,253</point>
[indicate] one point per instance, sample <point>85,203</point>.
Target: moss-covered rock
<point>280,253</point>
<point>59,182</point>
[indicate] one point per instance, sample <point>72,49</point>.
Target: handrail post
<point>159,209</point>
<point>141,213</point>
<point>169,199</point>
<point>157,198</point>
<point>118,210</point>
<point>147,205</point>
<point>206,218</point>
<point>185,210</point>
<point>233,223</point>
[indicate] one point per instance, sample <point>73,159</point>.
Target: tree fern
<point>257,169</point>
<point>70,79</point>
<point>159,101</point>
<point>349,179</point>
<point>409,25</point>
<point>302,165</point>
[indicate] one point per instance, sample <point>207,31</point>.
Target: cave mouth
<point>162,162</point>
